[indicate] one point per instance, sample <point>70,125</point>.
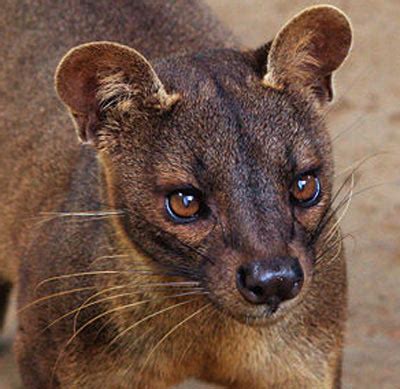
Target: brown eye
<point>184,205</point>
<point>306,190</point>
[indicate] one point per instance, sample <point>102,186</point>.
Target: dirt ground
<point>367,118</point>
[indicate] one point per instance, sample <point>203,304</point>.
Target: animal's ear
<point>307,50</point>
<point>95,75</point>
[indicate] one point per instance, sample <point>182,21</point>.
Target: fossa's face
<point>219,160</point>
<point>228,187</point>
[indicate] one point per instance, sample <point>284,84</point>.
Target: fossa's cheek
<point>221,281</point>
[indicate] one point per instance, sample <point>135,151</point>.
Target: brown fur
<point>85,228</point>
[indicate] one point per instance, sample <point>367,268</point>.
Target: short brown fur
<point>111,293</point>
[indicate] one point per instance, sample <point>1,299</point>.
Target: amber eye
<point>184,205</point>
<point>306,190</point>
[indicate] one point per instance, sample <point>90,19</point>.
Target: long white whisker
<point>171,331</point>
<point>350,196</point>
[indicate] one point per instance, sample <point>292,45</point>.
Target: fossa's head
<point>219,160</point>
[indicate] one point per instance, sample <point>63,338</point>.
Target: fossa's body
<point>153,302</point>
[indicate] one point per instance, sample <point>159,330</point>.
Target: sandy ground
<point>367,117</point>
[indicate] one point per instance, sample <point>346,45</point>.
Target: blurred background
<point>365,123</point>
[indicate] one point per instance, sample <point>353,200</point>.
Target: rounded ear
<point>307,50</point>
<point>93,74</point>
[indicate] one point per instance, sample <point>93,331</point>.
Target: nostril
<point>296,279</point>
<point>257,290</point>
<point>249,286</point>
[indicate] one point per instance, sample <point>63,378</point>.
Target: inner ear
<point>307,50</point>
<point>94,73</point>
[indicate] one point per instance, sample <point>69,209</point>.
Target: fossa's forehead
<point>225,88</point>
<point>209,75</point>
<point>229,155</point>
<point>227,118</point>
<point>230,124</point>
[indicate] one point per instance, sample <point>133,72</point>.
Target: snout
<point>270,281</point>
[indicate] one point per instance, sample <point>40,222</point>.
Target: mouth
<point>260,316</point>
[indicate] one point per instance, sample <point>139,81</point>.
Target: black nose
<point>270,281</point>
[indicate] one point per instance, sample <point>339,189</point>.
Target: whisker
<point>351,127</point>
<point>147,267</point>
<point>72,275</point>
<point>59,294</point>
<point>167,285</point>
<point>132,326</point>
<point>339,239</point>
<point>46,217</point>
<point>86,288</point>
<point>165,270</point>
<point>339,243</point>
<point>117,309</point>
<point>124,307</point>
<point>92,273</point>
<point>350,196</point>
<point>355,194</point>
<point>87,304</point>
<point>329,245</point>
<point>181,359</point>
<point>82,213</point>
<point>200,291</point>
<point>114,256</point>
<point>170,332</point>
<point>77,310</point>
<point>330,212</point>
<point>357,164</point>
